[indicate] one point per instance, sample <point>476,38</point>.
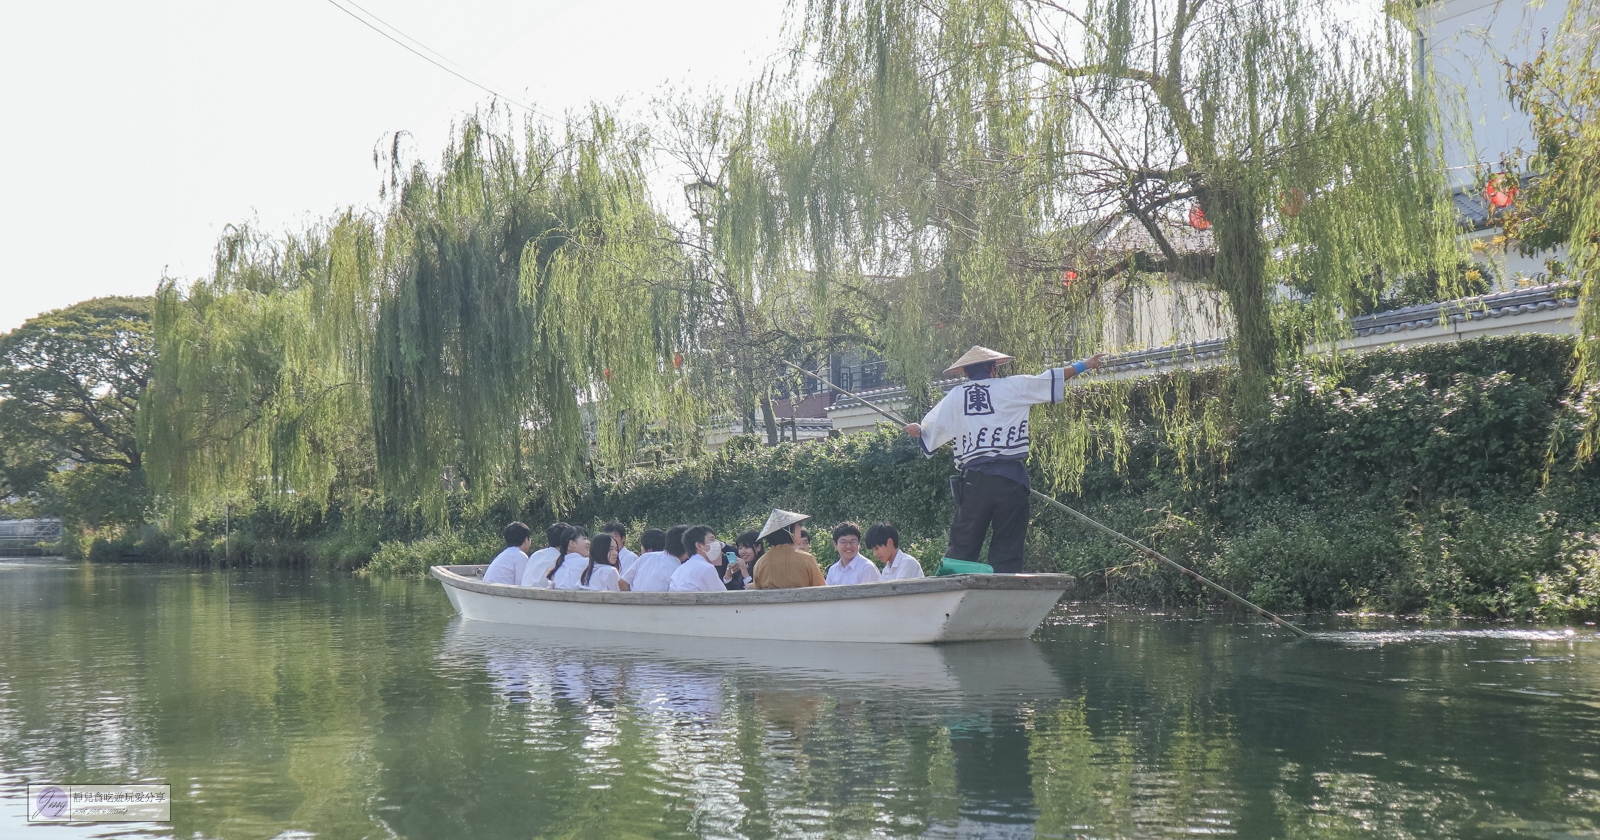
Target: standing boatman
<point>987,419</point>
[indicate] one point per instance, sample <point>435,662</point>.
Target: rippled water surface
<point>293,705</point>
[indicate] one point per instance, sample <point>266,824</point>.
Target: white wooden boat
<point>957,608</point>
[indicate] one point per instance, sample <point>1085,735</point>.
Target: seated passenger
<point>574,558</point>
<point>746,550</point>
<point>619,537</point>
<point>852,567</point>
<point>653,570</point>
<point>784,566</point>
<point>696,574</point>
<point>602,575</point>
<point>539,563</point>
<point>508,566</point>
<point>884,543</point>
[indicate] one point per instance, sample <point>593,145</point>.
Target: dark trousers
<point>990,500</point>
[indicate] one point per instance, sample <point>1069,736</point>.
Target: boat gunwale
<point>454,576</point>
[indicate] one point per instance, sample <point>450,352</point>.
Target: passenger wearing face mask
<point>697,574</point>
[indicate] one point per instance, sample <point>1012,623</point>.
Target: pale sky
<point>135,132</point>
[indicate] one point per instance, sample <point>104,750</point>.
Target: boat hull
<point>946,609</point>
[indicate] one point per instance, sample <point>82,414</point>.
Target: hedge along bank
<point>1437,479</point>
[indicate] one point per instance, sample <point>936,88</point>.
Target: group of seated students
<point>688,558</point>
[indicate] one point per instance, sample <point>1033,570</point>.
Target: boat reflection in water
<point>580,665</point>
<point>776,736</point>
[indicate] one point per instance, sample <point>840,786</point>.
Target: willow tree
<point>749,318</point>
<point>504,307</point>
<point>973,143</point>
<point>1560,91</point>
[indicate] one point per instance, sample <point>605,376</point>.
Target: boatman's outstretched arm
<point>1091,363</point>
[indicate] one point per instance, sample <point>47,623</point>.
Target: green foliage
<point>1560,91</point>
<point>972,149</point>
<point>70,382</point>
<point>443,347</point>
<point>450,548</point>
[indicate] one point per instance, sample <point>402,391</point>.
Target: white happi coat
<point>988,418</point>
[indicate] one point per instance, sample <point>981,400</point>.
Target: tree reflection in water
<point>281,703</point>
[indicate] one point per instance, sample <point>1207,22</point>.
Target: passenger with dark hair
<point>602,575</point>
<point>746,551</point>
<point>538,572</point>
<point>784,565</point>
<point>697,574</point>
<point>653,570</point>
<point>802,539</point>
<point>674,544</point>
<point>619,538</point>
<point>852,567</point>
<point>507,566</point>
<point>884,542</point>
<point>574,558</point>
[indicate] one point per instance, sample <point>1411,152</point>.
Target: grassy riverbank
<point>1402,481</point>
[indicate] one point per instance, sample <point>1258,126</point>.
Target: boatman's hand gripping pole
<point>1192,574</point>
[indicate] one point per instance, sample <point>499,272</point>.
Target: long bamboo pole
<point>1232,596</point>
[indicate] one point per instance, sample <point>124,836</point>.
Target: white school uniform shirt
<point>652,572</point>
<point>988,418</point>
<point>696,575</point>
<point>569,574</point>
<point>902,567</point>
<point>539,564</point>
<point>626,558</point>
<point>603,579</point>
<point>861,571</point>
<point>507,566</point>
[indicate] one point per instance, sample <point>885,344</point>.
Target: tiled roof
<point>1497,305</point>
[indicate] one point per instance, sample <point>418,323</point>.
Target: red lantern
<point>1067,277</point>
<point>607,374</point>
<point>1501,190</point>
<point>677,361</point>
<point>1197,218</point>
<point>1292,201</point>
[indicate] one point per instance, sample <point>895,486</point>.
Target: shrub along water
<point>1437,479</point>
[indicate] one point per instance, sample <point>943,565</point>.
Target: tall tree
<point>747,318</point>
<point>70,382</point>
<point>502,303</point>
<point>974,141</point>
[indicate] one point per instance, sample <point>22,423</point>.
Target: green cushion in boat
<point>962,567</point>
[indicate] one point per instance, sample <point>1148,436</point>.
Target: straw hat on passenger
<point>977,355</point>
<point>780,519</point>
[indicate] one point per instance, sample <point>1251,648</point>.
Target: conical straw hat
<point>979,354</point>
<point>780,519</point>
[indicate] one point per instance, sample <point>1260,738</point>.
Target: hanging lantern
<point>1292,201</point>
<point>1501,190</point>
<point>1197,218</point>
<point>1067,277</point>
<point>677,361</point>
<point>607,374</point>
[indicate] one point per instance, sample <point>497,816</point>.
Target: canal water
<point>297,705</point>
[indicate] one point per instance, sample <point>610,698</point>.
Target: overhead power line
<point>424,52</point>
